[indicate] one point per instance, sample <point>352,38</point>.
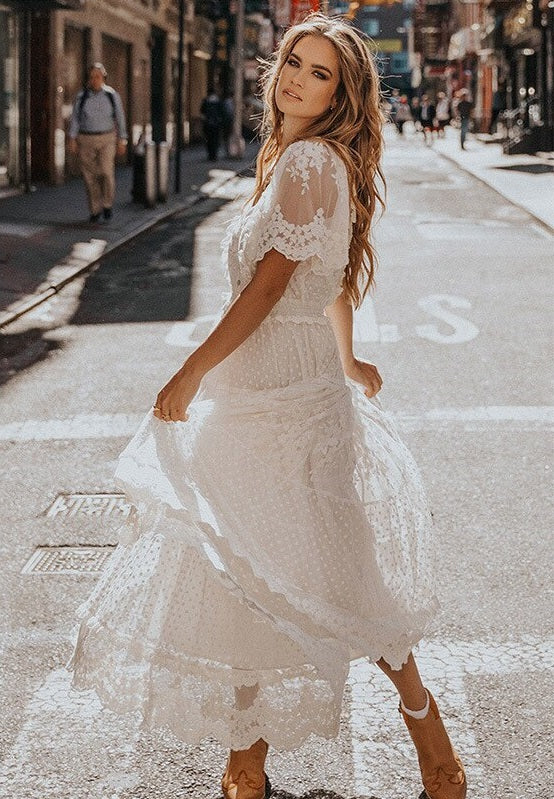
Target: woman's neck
<point>291,131</point>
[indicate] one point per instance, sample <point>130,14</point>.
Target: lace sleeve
<point>308,211</point>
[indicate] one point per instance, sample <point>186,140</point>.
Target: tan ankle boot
<point>442,771</point>
<point>244,776</point>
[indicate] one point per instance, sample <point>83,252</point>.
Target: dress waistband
<point>94,132</point>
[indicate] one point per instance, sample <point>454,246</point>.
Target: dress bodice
<point>304,213</point>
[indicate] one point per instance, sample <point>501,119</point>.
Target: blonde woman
<point>281,527</point>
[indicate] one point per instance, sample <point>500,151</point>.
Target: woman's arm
<point>243,317</point>
<point>340,314</point>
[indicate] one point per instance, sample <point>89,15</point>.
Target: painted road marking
<point>123,425</point>
<point>61,727</point>
<point>379,749</point>
<point>439,306</point>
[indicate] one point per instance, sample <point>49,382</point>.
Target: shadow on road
<point>149,279</point>
<point>18,351</point>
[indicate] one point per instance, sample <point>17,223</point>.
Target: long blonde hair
<point>353,128</point>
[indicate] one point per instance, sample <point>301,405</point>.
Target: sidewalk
<point>525,180</point>
<point>46,239</point>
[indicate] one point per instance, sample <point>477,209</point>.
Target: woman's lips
<point>292,95</point>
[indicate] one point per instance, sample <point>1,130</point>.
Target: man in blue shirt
<point>96,133</point>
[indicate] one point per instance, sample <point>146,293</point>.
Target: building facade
<point>46,47</point>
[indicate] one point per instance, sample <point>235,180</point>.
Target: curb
<point>545,225</point>
<point>33,300</point>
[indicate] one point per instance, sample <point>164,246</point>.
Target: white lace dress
<point>282,531</point>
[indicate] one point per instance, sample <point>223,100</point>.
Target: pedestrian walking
<point>393,101</point>
<point>427,114</point>
<point>212,111</point>
<point>228,118</point>
<point>403,114</point>
<point>416,113</point>
<point>464,110</point>
<point>281,528</point>
<point>442,113</point>
<point>98,133</point>
<point>498,106</point>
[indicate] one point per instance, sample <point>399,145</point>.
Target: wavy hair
<point>353,128</point>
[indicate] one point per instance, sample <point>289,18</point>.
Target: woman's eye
<point>320,75</point>
<point>293,62</point>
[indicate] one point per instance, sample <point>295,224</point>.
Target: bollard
<point>150,176</point>
<point>145,187</point>
<point>163,170</point>
<point>138,172</point>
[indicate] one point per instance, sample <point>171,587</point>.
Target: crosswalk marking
<point>379,744</point>
<point>382,753</point>
<point>123,425</point>
<point>63,728</point>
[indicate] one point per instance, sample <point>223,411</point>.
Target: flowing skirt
<point>277,535</point>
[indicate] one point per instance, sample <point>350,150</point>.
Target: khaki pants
<point>97,160</point>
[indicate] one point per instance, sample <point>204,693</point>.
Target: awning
<point>463,42</point>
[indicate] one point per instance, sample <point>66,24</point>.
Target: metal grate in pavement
<point>68,560</point>
<point>69,505</point>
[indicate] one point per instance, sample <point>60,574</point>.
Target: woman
<point>282,531</point>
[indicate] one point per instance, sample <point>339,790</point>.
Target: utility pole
<point>236,142</point>
<point>179,110</point>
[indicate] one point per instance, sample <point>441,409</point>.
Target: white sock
<point>417,714</point>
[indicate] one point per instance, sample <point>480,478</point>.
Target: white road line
<point>123,425</point>
<point>378,743</point>
<point>65,727</point>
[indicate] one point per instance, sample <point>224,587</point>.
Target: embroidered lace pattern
<point>278,534</point>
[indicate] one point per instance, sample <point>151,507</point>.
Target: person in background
<point>97,133</point>
<point>416,113</point>
<point>442,113</point>
<point>403,114</point>
<point>211,110</point>
<point>427,117</point>
<point>498,105</point>
<point>464,110</point>
<point>228,116</point>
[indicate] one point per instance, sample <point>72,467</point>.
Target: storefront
<point>24,119</point>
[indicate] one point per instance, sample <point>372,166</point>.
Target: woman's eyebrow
<point>314,66</point>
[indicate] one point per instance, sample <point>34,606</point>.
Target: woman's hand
<point>175,397</point>
<point>366,374</point>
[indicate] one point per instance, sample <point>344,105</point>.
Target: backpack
<point>84,98</point>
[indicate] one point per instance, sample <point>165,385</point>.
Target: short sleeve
<point>308,213</point>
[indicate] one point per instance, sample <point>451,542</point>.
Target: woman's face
<point>308,80</point>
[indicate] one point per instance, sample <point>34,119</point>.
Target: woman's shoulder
<point>305,155</point>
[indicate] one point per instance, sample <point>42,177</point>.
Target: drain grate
<point>69,505</point>
<point>68,560</point>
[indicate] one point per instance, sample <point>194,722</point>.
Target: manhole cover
<point>68,560</point>
<point>69,505</point>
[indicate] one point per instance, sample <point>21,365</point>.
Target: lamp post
<point>236,141</point>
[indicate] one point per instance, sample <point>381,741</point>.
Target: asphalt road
<point>461,329</point>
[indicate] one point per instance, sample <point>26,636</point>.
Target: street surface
<point>461,329</point>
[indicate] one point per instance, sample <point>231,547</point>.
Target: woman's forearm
<point>246,314</point>
<point>341,317</point>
